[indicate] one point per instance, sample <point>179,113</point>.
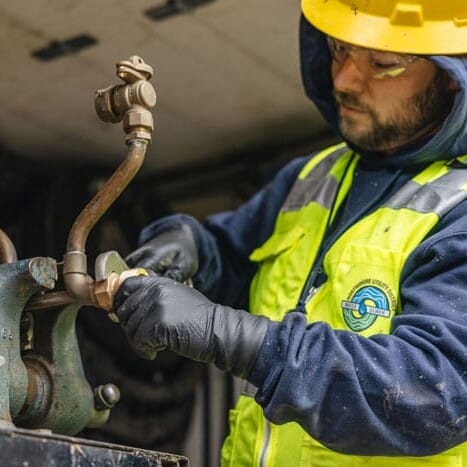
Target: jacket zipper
<point>310,287</point>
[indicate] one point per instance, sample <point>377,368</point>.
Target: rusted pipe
<point>49,300</point>
<point>106,196</point>
<point>7,249</point>
<point>78,284</point>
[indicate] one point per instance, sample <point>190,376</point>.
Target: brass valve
<point>130,102</point>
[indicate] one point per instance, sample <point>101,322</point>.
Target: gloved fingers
<point>135,299</point>
<point>173,267</point>
<point>134,258</point>
<point>137,324</point>
<point>176,275</point>
<point>137,315</point>
<point>181,270</point>
<point>133,313</point>
<point>165,264</point>
<point>148,259</point>
<point>127,288</point>
<point>125,311</point>
<point>146,338</point>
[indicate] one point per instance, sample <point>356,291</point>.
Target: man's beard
<point>415,118</point>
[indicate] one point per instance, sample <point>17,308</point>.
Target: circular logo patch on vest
<point>368,301</point>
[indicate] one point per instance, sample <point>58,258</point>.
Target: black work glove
<point>172,253</point>
<point>158,313</point>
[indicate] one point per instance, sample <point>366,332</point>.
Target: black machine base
<point>41,448</point>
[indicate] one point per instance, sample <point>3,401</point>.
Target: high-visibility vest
<point>361,293</point>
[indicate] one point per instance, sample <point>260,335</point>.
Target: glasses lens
<point>339,50</point>
<point>378,65</point>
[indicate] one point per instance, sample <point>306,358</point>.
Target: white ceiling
<point>226,76</point>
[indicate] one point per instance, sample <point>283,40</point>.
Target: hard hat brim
<point>407,32</point>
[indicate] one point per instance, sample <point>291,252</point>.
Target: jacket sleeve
<point>399,394</point>
<point>225,240</point>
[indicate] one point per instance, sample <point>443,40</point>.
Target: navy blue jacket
<point>399,394</point>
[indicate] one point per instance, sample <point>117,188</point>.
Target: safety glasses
<point>375,64</point>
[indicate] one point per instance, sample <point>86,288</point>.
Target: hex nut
<point>103,106</point>
<point>105,290</point>
<point>138,118</point>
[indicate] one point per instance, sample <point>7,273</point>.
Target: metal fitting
<point>130,102</point>
<point>104,291</point>
<point>106,396</point>
<point>138,123</point>
<point>134,69</point>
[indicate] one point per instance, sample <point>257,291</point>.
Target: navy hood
<point>449,142</point>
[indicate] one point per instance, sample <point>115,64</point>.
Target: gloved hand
<point>172,253</point>
<point>158,313</point>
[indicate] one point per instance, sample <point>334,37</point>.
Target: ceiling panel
<point>226,75</point>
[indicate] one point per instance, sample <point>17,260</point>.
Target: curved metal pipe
<point>47,301</point>
<point>7,249</point>
<point>77,282</point>
<point>106,196</point>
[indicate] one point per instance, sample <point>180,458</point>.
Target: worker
<point>353,342</point>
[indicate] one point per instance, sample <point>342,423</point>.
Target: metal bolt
<point>106,396</point>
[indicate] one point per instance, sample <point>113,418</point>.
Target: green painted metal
<point>18,282</point>
<point>43,386</point>
<point>72,399</point>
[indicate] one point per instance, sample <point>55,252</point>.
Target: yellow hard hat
<point>432,27</point>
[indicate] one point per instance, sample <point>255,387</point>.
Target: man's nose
<point>347,77</point>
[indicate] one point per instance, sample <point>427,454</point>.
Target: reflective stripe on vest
<point>361,294</point>
<point>318,185</point>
